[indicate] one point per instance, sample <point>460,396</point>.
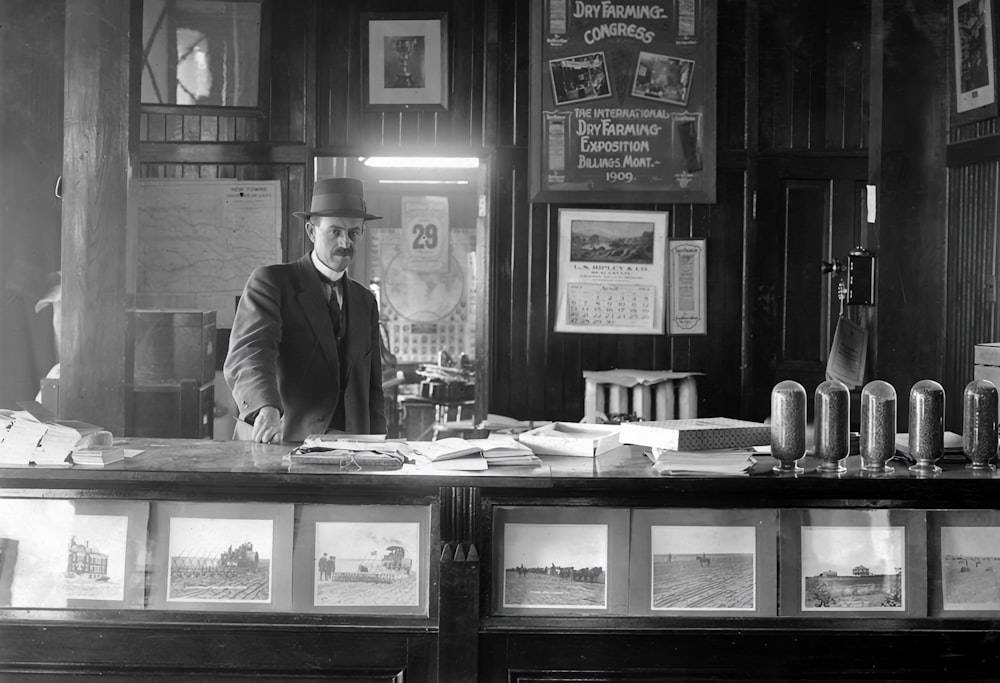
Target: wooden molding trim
<point>975,151</point>
<point>223,153</point>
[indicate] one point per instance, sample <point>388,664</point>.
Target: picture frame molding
<point>914,579</point>
<point>765,557</point>
<point>615,566</point>
<point>376,27</point>
<point>963,108</point>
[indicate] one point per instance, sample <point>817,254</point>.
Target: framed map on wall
<point>623,101</point>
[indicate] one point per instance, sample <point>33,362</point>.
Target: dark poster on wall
<point>623,101</point>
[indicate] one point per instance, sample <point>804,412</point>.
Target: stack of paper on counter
<point>97,456</point>
<point>696,434</point>
<point>501,449</point>
<point>452,453</point>
<point>46,443</point>
<point>342,450</point>
<point>714,462</point>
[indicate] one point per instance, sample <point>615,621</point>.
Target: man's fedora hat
<point>338,197</point>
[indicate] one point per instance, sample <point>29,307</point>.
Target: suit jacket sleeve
<point>251,366</point>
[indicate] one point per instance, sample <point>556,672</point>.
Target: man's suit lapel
<point>314,304</point>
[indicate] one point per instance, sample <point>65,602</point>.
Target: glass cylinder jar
<point>832,431</point>
<point>926,426</point>
<point>788,425</point>
<point>878,427</point>
<point>979,424</point>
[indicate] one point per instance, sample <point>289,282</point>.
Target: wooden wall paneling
<point>290,29</point>
<point>807,71</point>
<point>192,128</point>
<point>512,92</point>
<point>174,128</point>
<point>731,66</point>
<point>520,293</point>
<point>971,286</point>
<point>847,82</point>
<point>338,73</point>
<point>501,332</point>
<point>208,128</point>
<point>538,333</point>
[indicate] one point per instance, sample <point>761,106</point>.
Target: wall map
<point>623,101</point>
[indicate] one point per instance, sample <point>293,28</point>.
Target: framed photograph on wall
<point>612,271</point>
<point>963,549</point>
<point>221,556</point>
<point>849,563</point>
<point>364,559</point>
<point>560,560</point>
<point>405,61</point>
<point>700,562</point>
<point>688,292</point>
<point>973,52</point>
<point>72,553</point>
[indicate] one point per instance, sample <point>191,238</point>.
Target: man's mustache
<point>343,251</point>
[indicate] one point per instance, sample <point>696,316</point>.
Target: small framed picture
<point>973,50</point>
<point>963,548</point>
<point>72,553</point>
<point>579,78</point>
<point>405,61</point>
<point>700,562</point>
<point>853,563</point>
<point>364,559</point>
<point>663,78</point>
<point>687,268</point>
<point>560,560</point>
<point>221,556</point>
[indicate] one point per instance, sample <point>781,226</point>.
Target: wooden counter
<point>464,637</point>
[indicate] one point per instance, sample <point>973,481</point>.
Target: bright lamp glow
<point>393,181</point>
<point>422,162</point>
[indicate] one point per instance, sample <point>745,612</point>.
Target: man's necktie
<point>333,303</point>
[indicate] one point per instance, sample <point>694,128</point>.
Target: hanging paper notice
<point>426,234</point>
<point>848,354</point>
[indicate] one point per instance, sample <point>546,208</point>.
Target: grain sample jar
<point>926,426</point>
<point>832,432</point>
<point>878,427</point>
<point>788,425</point>
<point>979,424</point>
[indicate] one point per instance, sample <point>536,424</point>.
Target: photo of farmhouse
<point>853,568</point>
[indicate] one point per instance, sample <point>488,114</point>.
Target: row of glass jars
<point>877,443</point>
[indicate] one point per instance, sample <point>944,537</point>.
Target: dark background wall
<point>807,96</point>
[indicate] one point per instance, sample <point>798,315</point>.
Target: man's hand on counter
<point>267,425</point>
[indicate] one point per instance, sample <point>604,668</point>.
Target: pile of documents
<point>505,450</point>
<point>452,453</point>
<point>31,437</point>
<point>348,453</point>
<point>724,462</point>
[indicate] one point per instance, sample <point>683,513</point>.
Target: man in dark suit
<point>304,355</point>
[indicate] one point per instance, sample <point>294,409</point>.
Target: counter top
<point>244,465</point>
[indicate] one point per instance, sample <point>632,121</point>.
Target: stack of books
<point>724,462</point>
<point>31,439</point>
<point>347,453</point>
<point>504,450</point>
<point>452,453</point>
<point>696,434</point>
<point>97,457</point>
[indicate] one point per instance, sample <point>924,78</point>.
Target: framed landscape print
<point>700,562</point>
<point>963,549</point>
<point>63,553</point>
<point>221,556</point>
<point>363,559</point>
<point>853,563</point>
<point>560,560</point>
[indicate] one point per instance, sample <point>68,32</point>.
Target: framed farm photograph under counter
<point>560,560</point>
<point>837,563</point>
<point>963,549</point>
<point>363,559</point>
<point>700,562</point>
<point>221,556</point>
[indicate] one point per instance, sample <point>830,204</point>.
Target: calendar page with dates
<point>426,311</point>
<point>612,272</point>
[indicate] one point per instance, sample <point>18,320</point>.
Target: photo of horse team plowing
<point>555,586</point>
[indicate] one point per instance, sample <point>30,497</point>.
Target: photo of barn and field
<point>367,564</point>
<point>853,568</point>
<point>95,558</point>
<point>220,560</point>
<point>970,567</point>
<point>555,566</point>
<point>703,568</point>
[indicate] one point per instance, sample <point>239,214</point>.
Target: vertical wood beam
<point>907,163</point>
<point>100,210</point>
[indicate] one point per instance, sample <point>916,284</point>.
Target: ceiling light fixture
<point>422,162</point>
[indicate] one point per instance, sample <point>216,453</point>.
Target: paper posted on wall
<point>849,354</point>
